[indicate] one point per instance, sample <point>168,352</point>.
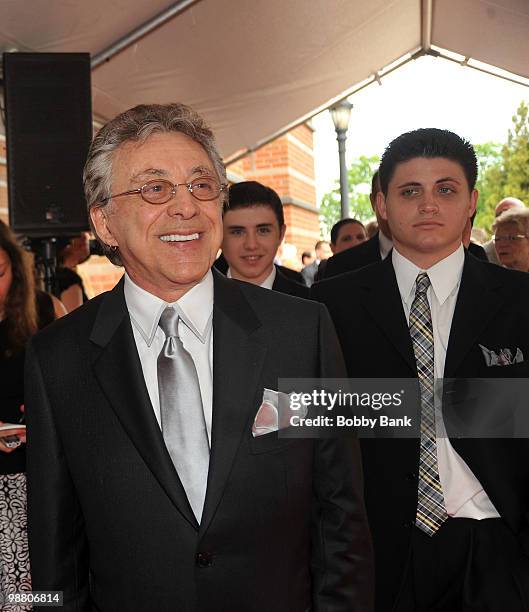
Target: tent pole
<point>426,24</point>
<point>141,31</point>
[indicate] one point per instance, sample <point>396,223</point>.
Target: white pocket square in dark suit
<point>274,413</point>
<point>502,357</point>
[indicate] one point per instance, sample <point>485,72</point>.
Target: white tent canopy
<point>256,68</point>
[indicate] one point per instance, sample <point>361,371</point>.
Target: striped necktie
<point>431,511</point>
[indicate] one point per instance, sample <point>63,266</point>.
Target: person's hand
<point>20,432</point>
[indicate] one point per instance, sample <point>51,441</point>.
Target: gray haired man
<point>149,489</point>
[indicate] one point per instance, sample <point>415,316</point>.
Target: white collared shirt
<point>385,244</point>
<point>464,496</point>
<point>195,329</point>
<point>268,281</point>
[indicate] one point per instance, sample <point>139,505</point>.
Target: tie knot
<point>422,282</point>
<point>169,322</point>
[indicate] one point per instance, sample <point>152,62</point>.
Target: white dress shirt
<point>195,329</point>
<point>463,494</point>
<point>385,244</point>
<point>268,281</point>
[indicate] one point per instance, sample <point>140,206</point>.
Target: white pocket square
<point>274,413</point>
<point>502,358</point>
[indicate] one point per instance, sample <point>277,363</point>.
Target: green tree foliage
<point>504,169</point>
<point>515,155</point>
<point>489,183</point>
<point>359,174</point>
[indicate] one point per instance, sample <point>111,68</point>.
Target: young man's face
<point>427,207</point>
<point>349,235</point>
<point>251,239</point>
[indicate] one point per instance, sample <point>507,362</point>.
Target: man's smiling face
<point>165,248</point>
<point>427,207</point>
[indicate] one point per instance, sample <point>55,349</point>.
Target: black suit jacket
<point>221,265</point>
<point>368,253</point>
<point>354,258</point>
<point>492,309</point>
<point>283,527</point>
<point>283,284</point>
<point>478,251</point>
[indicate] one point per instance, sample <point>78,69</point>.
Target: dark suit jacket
<point>354,258</point>
<point>283,528</point>
<point>493,310</point>
<point>368,253</point>
<point>221,265</point>
<point>293,275</point>
<point>283,284</point>
<point>478,251</point>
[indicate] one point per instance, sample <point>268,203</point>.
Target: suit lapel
<point>477,302</point>
<point>383,302</point>
<point>237,365</point>
<point>118,370</point>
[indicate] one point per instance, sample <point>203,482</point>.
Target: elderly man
<point>151,487</point>
<point>501,207</point>
<point>511,238</point>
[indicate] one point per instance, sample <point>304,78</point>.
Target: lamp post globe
<point>341,114</point>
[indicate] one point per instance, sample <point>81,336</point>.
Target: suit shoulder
<point>275,303</point>
<point>346,281</point>
<point>356,257</point>
<point>75,323</point>
<point>506,276</point>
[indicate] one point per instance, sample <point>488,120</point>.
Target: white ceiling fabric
<point>254,68</point>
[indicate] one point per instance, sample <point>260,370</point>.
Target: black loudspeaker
<point>48,132</point>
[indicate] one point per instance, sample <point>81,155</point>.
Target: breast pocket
<point>268,443</point>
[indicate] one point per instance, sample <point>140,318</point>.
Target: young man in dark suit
<point>254,228</point>
<point>152,482</point>
<point>449,516</point>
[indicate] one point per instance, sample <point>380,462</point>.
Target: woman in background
<point>22,310</point>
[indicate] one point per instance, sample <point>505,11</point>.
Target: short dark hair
<point>335,230</point>
<point>375,183</point>
<point>251,193</point>
<point>429,143</point>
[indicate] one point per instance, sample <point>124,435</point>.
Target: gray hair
<point>518,216</point>
<point>137,124</point>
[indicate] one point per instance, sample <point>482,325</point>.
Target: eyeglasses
<point>160,191</point>
<point>514,238</point>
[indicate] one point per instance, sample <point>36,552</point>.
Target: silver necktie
<point>182,416</point>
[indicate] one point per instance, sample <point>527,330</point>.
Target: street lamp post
<point>341,114</point>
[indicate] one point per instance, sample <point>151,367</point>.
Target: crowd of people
<point>160,476</point>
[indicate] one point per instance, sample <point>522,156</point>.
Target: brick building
<point>286,164</point>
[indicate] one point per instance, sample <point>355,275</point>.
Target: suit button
<point>411,476</point>
<point>409,524</point>
<point>204,559</point>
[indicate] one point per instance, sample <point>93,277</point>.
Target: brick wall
<point>287,166</point>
